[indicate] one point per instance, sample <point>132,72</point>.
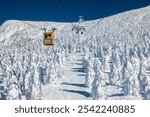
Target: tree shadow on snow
<point>78,63</point>
<point>77,70</point>
<point>114,95</point>
<point>84,93</point>
<point>79,60</point>
<point>81,74</point>
<point>73,84</point>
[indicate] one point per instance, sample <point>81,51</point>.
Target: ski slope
<point>113,62</point>
<point>72,83</point>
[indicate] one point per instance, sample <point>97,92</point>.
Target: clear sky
<point>48,10</point>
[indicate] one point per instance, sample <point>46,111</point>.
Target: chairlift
<point>79,28</point>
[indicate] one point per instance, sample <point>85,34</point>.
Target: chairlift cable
<point>63,11</point>
<point>33,13</point>
<point>115,6</point>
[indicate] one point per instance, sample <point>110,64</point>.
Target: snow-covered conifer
<point>13,91</point>
<point>98,91</point>
<point>89,73</point>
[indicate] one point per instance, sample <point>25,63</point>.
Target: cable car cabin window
<point>49,35</point>
<point>45,36</point>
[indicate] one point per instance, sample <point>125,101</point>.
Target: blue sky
<point>48,10</point>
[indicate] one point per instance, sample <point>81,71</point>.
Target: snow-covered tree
<point>117,76</point>
<point>52,75</point>
<point>13,91</point>
<point>146,95</point>
<point>85,59</point>
<point>98,91</point>
<point>42,73</point>
<point>89,73</point>
<point>131,83</point>
<point>63,57</point>
<point>27,82</point>
<point>107,66</point>
<point>35,85</point>
<point>145,74</point>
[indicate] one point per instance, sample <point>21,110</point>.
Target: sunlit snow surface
<point>111,61</point>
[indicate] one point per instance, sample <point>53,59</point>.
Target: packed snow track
<point>72,85</point>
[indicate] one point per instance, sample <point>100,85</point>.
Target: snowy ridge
<point>122,27</point>
<point>115,57</point>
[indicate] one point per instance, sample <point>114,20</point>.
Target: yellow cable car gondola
<point>49,38</point>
